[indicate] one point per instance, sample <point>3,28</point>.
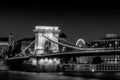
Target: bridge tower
<point>40,41</point>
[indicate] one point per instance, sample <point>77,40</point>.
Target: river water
<point>17,75</point>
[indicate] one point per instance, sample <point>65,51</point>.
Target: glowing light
<point>47,27</point>
<point>4,43</point>
<point>41,61</point>
<point>80,42</point>
<point>93,70</point>
<point>34,61</point>
<point>50,61</point>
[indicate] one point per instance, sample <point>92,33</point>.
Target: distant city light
<point>4,43</point>
<point>93,70</point>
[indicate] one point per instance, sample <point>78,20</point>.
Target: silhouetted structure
<point>21,45</point>
<point>6,45</point>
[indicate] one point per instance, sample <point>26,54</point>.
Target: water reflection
<point>15,75</point>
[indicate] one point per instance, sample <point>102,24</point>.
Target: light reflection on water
<point>16,75</point>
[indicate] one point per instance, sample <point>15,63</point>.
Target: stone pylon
<point>41,42</point>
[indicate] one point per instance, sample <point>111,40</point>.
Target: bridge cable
<point>74,47</point>
<point>27,47</point>
<point>65,40</point>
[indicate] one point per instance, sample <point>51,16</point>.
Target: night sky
<point>89,22</point>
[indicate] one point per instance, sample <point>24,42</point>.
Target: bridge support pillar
<point>42,45</point>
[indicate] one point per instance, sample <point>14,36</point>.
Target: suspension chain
<point>65,40</point>
<point>73,47</point>
<point>27,47</point>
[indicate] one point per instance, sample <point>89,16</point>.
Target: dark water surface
<point>16,75</point>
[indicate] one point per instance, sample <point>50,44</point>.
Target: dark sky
<point>76,20</point>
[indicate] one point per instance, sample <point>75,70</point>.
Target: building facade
<point>6,44</point>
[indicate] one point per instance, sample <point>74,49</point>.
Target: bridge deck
<point>81,53</point>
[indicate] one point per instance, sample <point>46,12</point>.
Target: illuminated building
<point>6,44</point>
